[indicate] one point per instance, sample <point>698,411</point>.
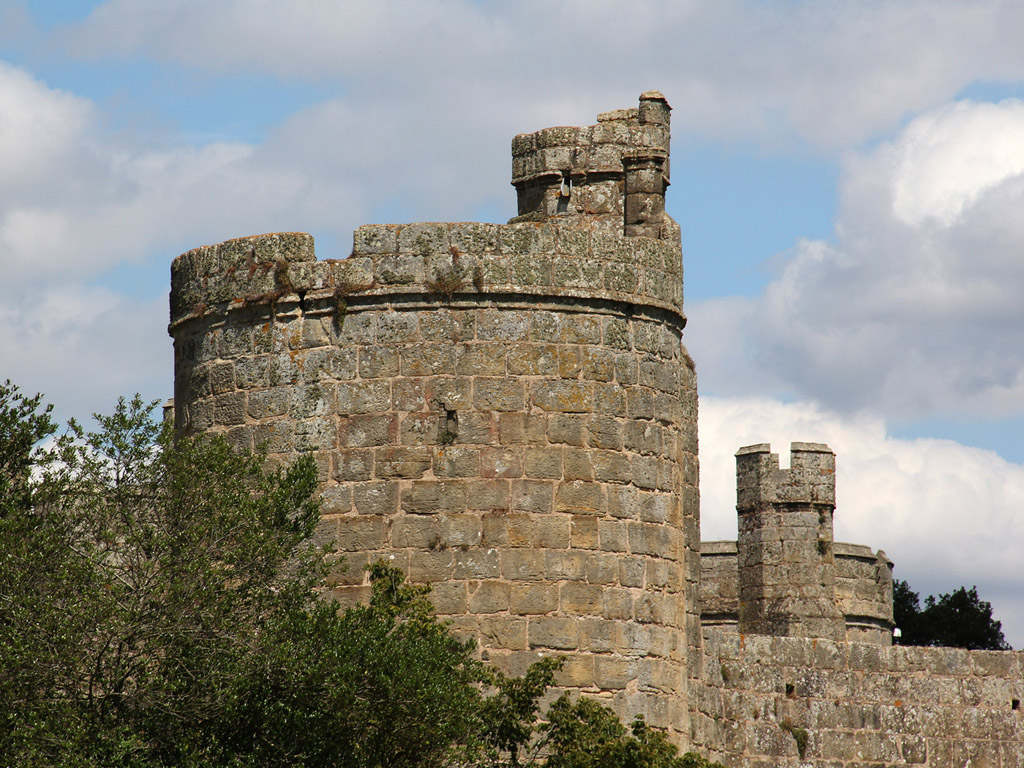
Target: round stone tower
<point>504,411</point>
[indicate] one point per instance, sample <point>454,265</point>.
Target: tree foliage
<point>160,605</point>
<point>959,619</point>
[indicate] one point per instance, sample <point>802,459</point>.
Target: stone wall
<point>855,705</point>
<point>863,587</point>
<point>506,412</point>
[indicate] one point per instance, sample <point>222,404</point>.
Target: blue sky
<point>848,178</point>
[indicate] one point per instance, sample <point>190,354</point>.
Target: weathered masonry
<point>509,413</point>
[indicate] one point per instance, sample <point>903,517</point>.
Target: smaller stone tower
<point>787,571</point>
<point>610,177</point>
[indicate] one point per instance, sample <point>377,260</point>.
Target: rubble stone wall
<point>762,701</point>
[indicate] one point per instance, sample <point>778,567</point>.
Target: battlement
<point>610,176</point>
<point>461,262</point>
<point>810,479</point>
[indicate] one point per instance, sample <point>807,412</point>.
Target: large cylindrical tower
<point>504,411</point>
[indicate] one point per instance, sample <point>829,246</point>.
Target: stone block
<point>532,495</point>
<point>402,462</point>
<point>457,461</point>
<point>489,597</point>
<point>499,394</point>
<point>569,362</point>
<point>428,359</point>
<point>378,362</point>
<point>502,325</point>
<point>522,565</point>
<point>618,603</point>
<point>477,563</point>
<point>459,529</point>
<point>230,408</point>
<point>613,673</point>
<point>375,238</point>
<point>488,495</point>
<point>565,564</point>
<point>613,535</point>
<point>522,429</point>
<point>552,632</point>
<point>449,597</point>
<point>367,430</point>
<point>562,396</point>
<point>583,532</point>
<point>222,377</point>
<point>444,325</point>
<point>417,531</point>
<point>501,462</point>
<point>481,359</point>
<point>419,428</point>
<point>354,397</point>
<point>595,635</point>
<point>423,497</point>
<point>581,599</point>
<point>551,531</point>
<point>378,498</point>
<point>506,632</point>
<point>532,360</point>
<point>430,566</point>
<point>577,464</point>
<point>533,599</point>
<point>576,672</point>
<point>476,428</point>
<point>353,464</point>
<point>580,497</point>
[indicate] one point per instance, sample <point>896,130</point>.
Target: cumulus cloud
<point>833,74</point>
<point>946,514</point>
<point>914,310</point>
<point>83,346</point>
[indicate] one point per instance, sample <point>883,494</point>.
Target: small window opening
<point>1014,704</point>
<point>790,690</point>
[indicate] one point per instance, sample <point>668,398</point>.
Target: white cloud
<point>915,309</point>
<point>834,74</point>
<point>38,128</point>
<point>83,346</point>
<point>946,514</point>
<point>947,159</point>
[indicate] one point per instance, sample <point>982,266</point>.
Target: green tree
<point>161,605</point>
<point>959,619</point>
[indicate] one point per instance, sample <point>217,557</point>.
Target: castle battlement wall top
<point>460,261</point>
<point>810,478</point>
<point>611,176</point>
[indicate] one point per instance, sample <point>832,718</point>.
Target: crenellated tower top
<point>611,176</point>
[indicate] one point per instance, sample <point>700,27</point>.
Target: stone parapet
<point>461,262</point>
<point>863,588</point>
<point>786,701</point>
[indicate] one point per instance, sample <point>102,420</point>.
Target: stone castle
<point>509,413</point>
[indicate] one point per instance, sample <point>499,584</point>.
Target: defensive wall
<point>508,412</point>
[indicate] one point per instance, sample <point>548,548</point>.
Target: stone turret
<point>611,176</point>
<point>787,576</point>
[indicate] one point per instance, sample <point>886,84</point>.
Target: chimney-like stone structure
<point>610,177</point>
<point>787,571</point>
